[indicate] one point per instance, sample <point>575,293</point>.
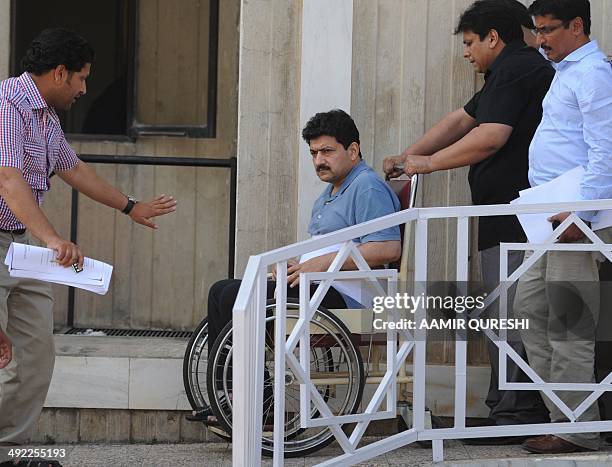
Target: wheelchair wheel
<point>195,363</point>
<point>336,368</point>
<point>194,367</point>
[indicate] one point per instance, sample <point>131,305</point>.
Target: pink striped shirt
<point>31,140</point>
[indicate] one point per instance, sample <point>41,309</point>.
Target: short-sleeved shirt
<point>31,140</point>
<point>362,196</point>
<point>515,86</point>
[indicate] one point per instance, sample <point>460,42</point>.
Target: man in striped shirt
<point>32,147</point>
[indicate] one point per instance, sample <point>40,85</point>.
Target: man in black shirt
<point>492,134</point>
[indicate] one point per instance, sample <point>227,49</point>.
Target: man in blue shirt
<point>559,294</point>
<point>354,194</point>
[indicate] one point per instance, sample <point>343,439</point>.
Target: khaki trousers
<point>559,295</point>
<point>26,315</point>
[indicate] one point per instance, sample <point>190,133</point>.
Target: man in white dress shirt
<point>559,294</point>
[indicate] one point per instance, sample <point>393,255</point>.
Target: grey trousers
<point>26,316</point>
<point>508,407</point>
<point>559,295</point>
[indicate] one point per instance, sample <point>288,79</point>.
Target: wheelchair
<point>336,367</point>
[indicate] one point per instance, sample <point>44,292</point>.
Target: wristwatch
<point>130,205</point>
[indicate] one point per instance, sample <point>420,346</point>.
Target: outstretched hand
<point>6,352</point>
<point>144,211</point>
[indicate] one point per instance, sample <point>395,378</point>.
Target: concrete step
<point>130,389</point>
<point>143,373</point>
<point>106,426</point>
<point>137,373</point>
<point>118,390</point>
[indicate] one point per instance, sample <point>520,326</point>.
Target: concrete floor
<point>220,455</point>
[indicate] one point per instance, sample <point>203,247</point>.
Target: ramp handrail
<point>249,326</point>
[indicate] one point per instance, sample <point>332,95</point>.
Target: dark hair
<point>336,123</point>
<point>565,10</point>
<point>485,15</point>
<point>521,12</point>
<point>54,47</point>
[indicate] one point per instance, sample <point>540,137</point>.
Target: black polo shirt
<point>515,86</point>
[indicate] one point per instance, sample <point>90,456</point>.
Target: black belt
<point>14,232</point>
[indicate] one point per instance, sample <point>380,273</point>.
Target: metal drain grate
<point>131,332</point>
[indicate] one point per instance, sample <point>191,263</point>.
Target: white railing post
<point>420,335</point>
<point>463,242</point>
<point>248,342</point>
<point>280,339</point>
<point>502,358</point>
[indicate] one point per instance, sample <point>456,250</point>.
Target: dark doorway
<point>109,26</point>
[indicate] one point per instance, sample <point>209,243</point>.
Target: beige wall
<point>172,80</point>
<point>268,126</point>
<point>161,279</point>
<point>398,90</point>
<point>602,24</point>
<point>407,73</point>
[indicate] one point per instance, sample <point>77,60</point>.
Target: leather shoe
<point>551,444</point>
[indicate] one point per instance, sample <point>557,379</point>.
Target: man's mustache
<point>322,167</point>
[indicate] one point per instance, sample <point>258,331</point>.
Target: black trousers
<point>222,295</point>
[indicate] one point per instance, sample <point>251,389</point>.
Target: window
<point>105,109</point>
<point>155,71</point>
<point>176,87</point>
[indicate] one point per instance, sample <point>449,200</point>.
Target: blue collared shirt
<point>576,127</point>
<point>362,196</point>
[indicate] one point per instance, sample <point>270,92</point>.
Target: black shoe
<point>199,415</point>
<point>205,416</point>
<point>495,441</point>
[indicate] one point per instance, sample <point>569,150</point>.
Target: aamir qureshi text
<point>458,304</point>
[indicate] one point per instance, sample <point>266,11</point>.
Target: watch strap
<point>129,206</point>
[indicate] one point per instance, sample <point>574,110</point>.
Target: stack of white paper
<point>565,188</point>
<point>35,262</point>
